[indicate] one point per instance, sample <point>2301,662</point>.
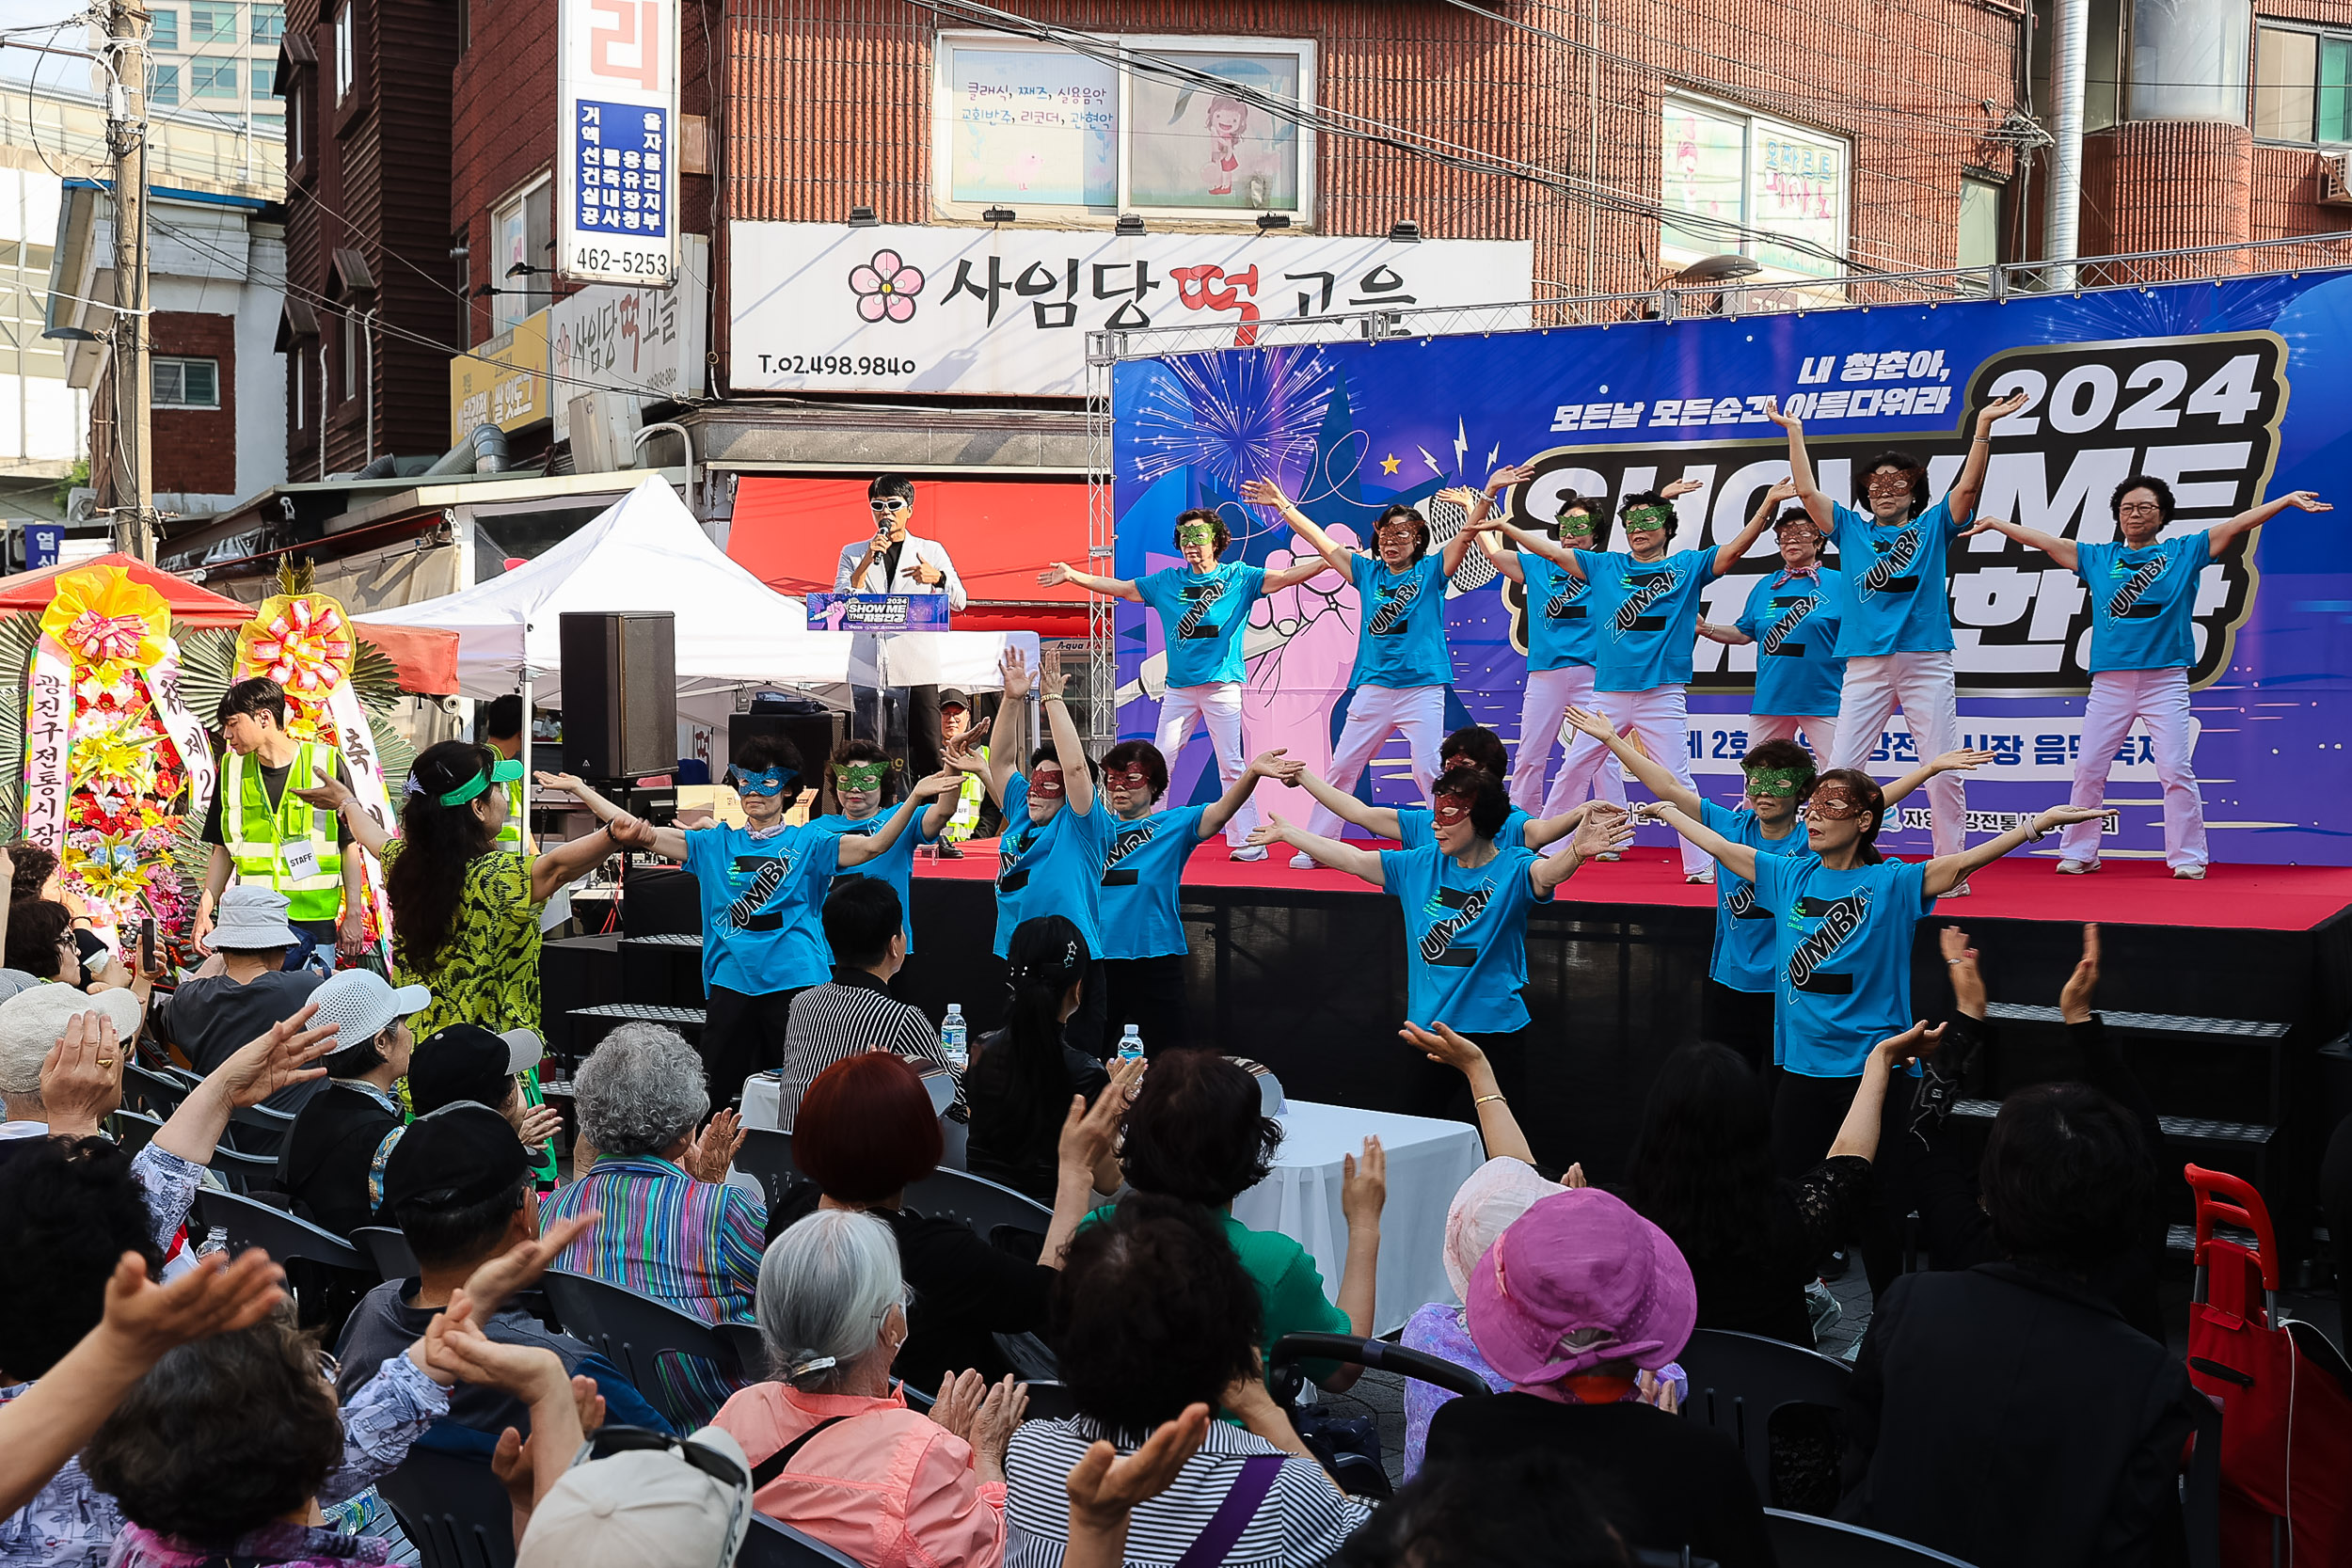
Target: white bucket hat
<point>361,1004</point>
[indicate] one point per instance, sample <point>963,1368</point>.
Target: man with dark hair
<point>1895,633</point>
<point>458,1184</point>
<point>851,1013</point>
<point>262,829</point>
<point>503,732</point>
<point>892,561</point>
<point>2143,639</point>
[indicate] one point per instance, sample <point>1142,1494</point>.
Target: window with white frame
<point>211,21</point>
<point>164,29</point>
<point>163,87</point>
<point>2302,85</point>
<point>347,52</point>
<point>1046,131</point>
<point>214,79</point>
<point>520,229</point>
<point>1980,239</point>
<point>1724,169</point>
<point>185,383</point>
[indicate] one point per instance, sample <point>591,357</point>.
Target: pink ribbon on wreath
<point>96,636</point>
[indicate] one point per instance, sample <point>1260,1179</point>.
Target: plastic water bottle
<point>952,1034</point>
<point>215,1239</point>
<point>1131,1044</point>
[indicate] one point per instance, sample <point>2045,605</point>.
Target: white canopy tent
<point>735,634</point>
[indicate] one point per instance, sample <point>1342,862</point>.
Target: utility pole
<point>133,470</point>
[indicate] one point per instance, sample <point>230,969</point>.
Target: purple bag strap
<point>1233,1514</point>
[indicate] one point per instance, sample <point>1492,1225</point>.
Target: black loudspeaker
<point>620,693</point>
<point>813,735</point>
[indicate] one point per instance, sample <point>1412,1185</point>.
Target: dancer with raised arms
<point>1204,606</point>
<point>1466,899</point>
<point>1791,618</point>
<point>1143,936</point>
<point>1402,666</point>
<point>2143,639</point>
<point>1738,1008</point>
<point>1646,604</point>
<point>1471,746</point>
<point>860,773</point>
<point>1895,633</point>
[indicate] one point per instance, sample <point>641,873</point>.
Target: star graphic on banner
<point>1390,464</point>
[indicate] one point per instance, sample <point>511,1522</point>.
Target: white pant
<point>1550,696</point>
<point>1218,709</point>
<point>1376,710</point>
<point>2158,699</point>
<point>1819,734</point>
<point>1659,719</point>
<point>1922,685</point>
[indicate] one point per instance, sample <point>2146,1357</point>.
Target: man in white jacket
<point>893,560</point>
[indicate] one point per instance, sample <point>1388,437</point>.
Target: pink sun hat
<point>1580,1260</point>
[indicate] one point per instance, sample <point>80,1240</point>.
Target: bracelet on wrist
<point>1487,1100</point>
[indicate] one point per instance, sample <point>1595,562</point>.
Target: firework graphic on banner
<point>1232,417</point>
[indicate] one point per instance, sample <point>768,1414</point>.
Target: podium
<point>882,614</point>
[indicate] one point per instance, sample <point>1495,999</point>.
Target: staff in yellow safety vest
<point>503,732</point>
<point>263,832</point>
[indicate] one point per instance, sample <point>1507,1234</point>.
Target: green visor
<point>503,772</point>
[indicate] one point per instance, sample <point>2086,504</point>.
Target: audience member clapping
<point>1198,1131</point>
<point>330,1152</point>
<point>2008,1413</point>
<point>675,1229</point>
<point>835,1451</point>
<point>866,1130</point>
<point>1703,1172</point>
<point>1158,1318</point>
<point>1578,1304</point>
<point>460,1188</point>
<point>211,1016</point>
<point>1023,1076</point>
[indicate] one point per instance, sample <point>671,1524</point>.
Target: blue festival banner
<point>2231,391</point>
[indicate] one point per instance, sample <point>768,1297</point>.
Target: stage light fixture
<point>1406,232</point>
<point>863,218</point>
<point>1273,221</point>
<point>999,214</point>
<point>1128,224</point>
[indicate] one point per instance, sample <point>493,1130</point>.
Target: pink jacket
<point>890,1486</point>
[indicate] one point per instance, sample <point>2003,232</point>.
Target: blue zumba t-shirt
<point>894,865</point>
<point>1417,825</point>
<point>1742,959</point>
<point>1055,869</point>
<point>1798,673</point>
<point>2142,602</point>
<point>1646,615</point>
<point>1897,598</point>
<point>1465,937</point>
<point>1400,639</point>
<point>1843,956</point>
<point>763,901</point>
<point>1559,629</point>
<point>1143,871</point>
<point>1201,618</point>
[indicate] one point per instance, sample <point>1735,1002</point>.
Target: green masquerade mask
<point>1576,524</point>
<point>1782,784</point>
<point>859,775</point>
<point>1650,516</point>
<point>1189,534</point>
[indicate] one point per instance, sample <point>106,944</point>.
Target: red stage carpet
<point>2124,892</point>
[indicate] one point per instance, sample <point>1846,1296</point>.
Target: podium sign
<point>877,612</point>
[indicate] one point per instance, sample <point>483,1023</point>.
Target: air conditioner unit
<point>2334,190</point>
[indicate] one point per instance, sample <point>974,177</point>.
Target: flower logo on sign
<point>885,288</point>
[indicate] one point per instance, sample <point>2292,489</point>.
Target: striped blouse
<point>692,1244</point>
<point>1303,1519</point>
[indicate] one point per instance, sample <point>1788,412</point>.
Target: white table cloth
<point>1429,1161</point>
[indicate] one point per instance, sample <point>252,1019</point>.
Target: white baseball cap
<point>657,1506</point>
<point>361,1004</point>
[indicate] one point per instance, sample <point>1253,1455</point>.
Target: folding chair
<point>636,1333</point>
<point>280,1234</point>
<point>157,1094</point>
<point>767,1154</point>
<point>1362,1475</point>
<point>388,1249</point>
<point>771,1544</point>
<point>453,1509</point>
<point>244,1172</point>
<point>1738,1382</point>
<point>259,1130</point>
<point>749,1345</point>
<point>976,1201</point>
<point>1800,1538</point>
<point>133,1128</point>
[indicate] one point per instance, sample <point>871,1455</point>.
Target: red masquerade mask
<point>1835,808</point>
<point>1047,784</point>
<point>1451,809</point>
<point>1134,779</point>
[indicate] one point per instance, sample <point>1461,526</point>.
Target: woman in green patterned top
<point>465,912</point>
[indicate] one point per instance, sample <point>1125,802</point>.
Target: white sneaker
<point>1302,861</point>
<point>2078,868</point>
<point>1249,852</point>
<point>2189,873</point>
<point>1706,877</point>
